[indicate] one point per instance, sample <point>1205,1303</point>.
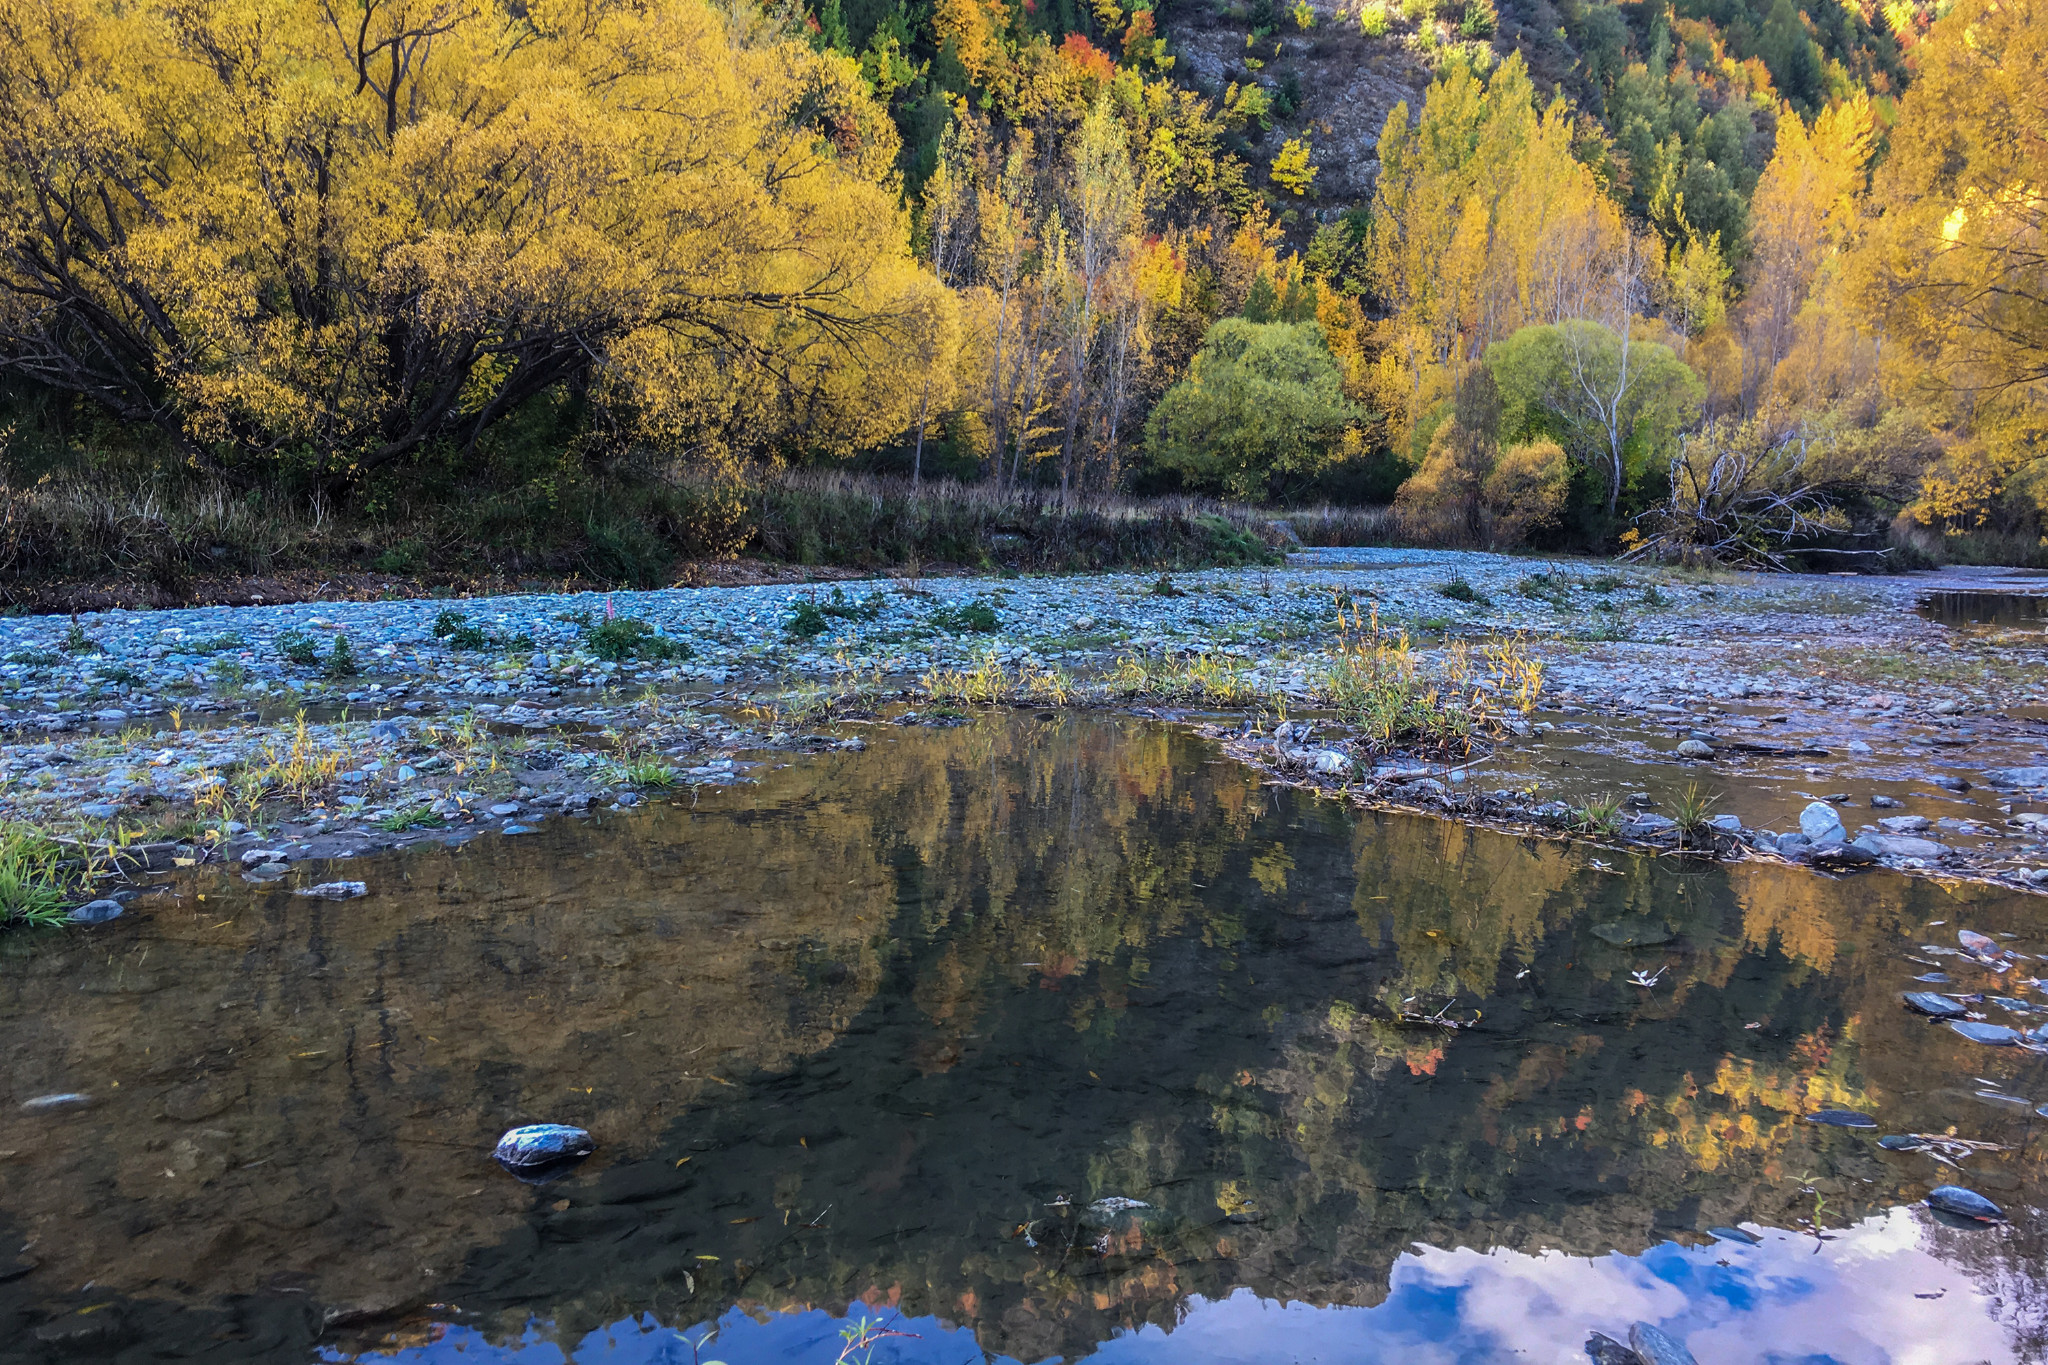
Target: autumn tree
<point>1954,265</point>
<point>344,232</point>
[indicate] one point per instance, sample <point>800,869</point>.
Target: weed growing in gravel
<point>1459,590</point>
<point>297,647</point>
<point>629,637</point>
<point>977,616</point>
<point>1209,679</point>
<point>1598,817</point>
<point>1692,810</point>
<point>990,684</point>
<point>806,621</point>
<point>76,641</point>
<point>341,659</point>
<point>644,772</point>
<point>300,771</point>
<point>1166,587</point>
<point>30,887</point>
<point>1375,683</point>
<point>37,658</point>
<point>409,817</point>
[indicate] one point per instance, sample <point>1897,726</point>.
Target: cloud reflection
<point>1873,1295</point>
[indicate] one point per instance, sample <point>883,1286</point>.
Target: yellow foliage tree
<point>1954,265</point>
<point>345,231</point>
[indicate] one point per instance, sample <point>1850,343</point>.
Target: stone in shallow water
<point>335,891</point>
<point>1991,1035</point>
<point>1903,824</point>
<point>1962,1203</point>
<point>1842,1118</point>
<point>96,912</point>
<point>1937,1006</point>
<point>1646,934</point>
<point>1819,823</point>
<point>540,1145</point>
<point>1693,748</point>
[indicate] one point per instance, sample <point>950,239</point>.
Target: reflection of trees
<point>932,986</point>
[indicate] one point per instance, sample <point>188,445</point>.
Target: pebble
<point>1694,748</point>
<point>95,912</point>
<point>540,1145</point>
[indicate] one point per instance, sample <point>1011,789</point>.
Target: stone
<point>504,808</point>
<point>1835,854</point>
<point>2036,776</point>
<point>95,912</point>
<point>628,798</point>
<point>1819,823</point>
<point>252,856</point>
<point>335,891</point>
<point>1727,824</point>
<point>386,730</point>
<point>1883,802</point>
<point>1858,747</point>
<point>1950,782</point>
<point>540,1145</point>
<point>1694,748</point>
<point>1648,824</point>
<point>99,810</point>
<point>1331,763</point>
<point>1900,846</point>
<point>1904,824</point>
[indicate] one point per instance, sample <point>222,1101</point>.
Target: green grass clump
<point>628,637</point>
<point>1598,817</point>
<point>646,772</point>
<point>409,817</point>
<point>40,658</point>
<point>1459,590</point>
<point>297,647</point>
<point>31,891</point>
<point>978,616</point>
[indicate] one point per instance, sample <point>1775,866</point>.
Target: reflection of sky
<point>1855,1301</point>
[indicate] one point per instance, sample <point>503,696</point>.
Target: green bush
<point>341,660</point>
<point>1262,405</point>
<point>806,621</point>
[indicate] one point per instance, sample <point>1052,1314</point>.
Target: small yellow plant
<point>988,683</point>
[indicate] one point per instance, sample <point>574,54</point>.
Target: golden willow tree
<point>342,232</point>
<point>1954,265</point>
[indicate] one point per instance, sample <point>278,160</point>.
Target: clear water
<point>847,1037</point>
<point>2012,610</point>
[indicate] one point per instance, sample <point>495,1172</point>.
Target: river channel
<point>873,1036</point>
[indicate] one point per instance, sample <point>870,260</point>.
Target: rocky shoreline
<point>327,729</point>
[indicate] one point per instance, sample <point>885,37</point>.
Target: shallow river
<point>866,1039</point>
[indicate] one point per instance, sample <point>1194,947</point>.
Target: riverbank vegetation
<point>589,289</point>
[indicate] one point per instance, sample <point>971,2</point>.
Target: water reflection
<point>880,1029</point>
<point>1871,1294</point>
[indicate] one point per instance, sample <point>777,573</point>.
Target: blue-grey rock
<point>1904,824</point>
<point>1792,843</point>
<point>1602,1349</point>
<point>1962,1203</point>
<point>1820,824</point>
<point>95,912</point>
<point>1991,1035</point>
<point>1737,1235</point>
<point>99,810</point>
<point>2036,776</point>
<point>69,1099</point>
<point>335,891</point>
<point>539,1145</point>
<point>1935,1006</point>
<point>1842,1118</point>
<point>1656,1347</point>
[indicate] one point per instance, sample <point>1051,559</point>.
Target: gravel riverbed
<point>1786,691</point>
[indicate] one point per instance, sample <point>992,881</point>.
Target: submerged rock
<point>1842,1118</point>
<point>542,1146</point>
<point>1961,1203</point>
<point>2036,776</point>
<point>95,912</point>
<point>1737,1235</point>
<point>1991,1035</point>
<point>1932,1005</point>
<point>335,891</point>
<point>1642,934</point>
